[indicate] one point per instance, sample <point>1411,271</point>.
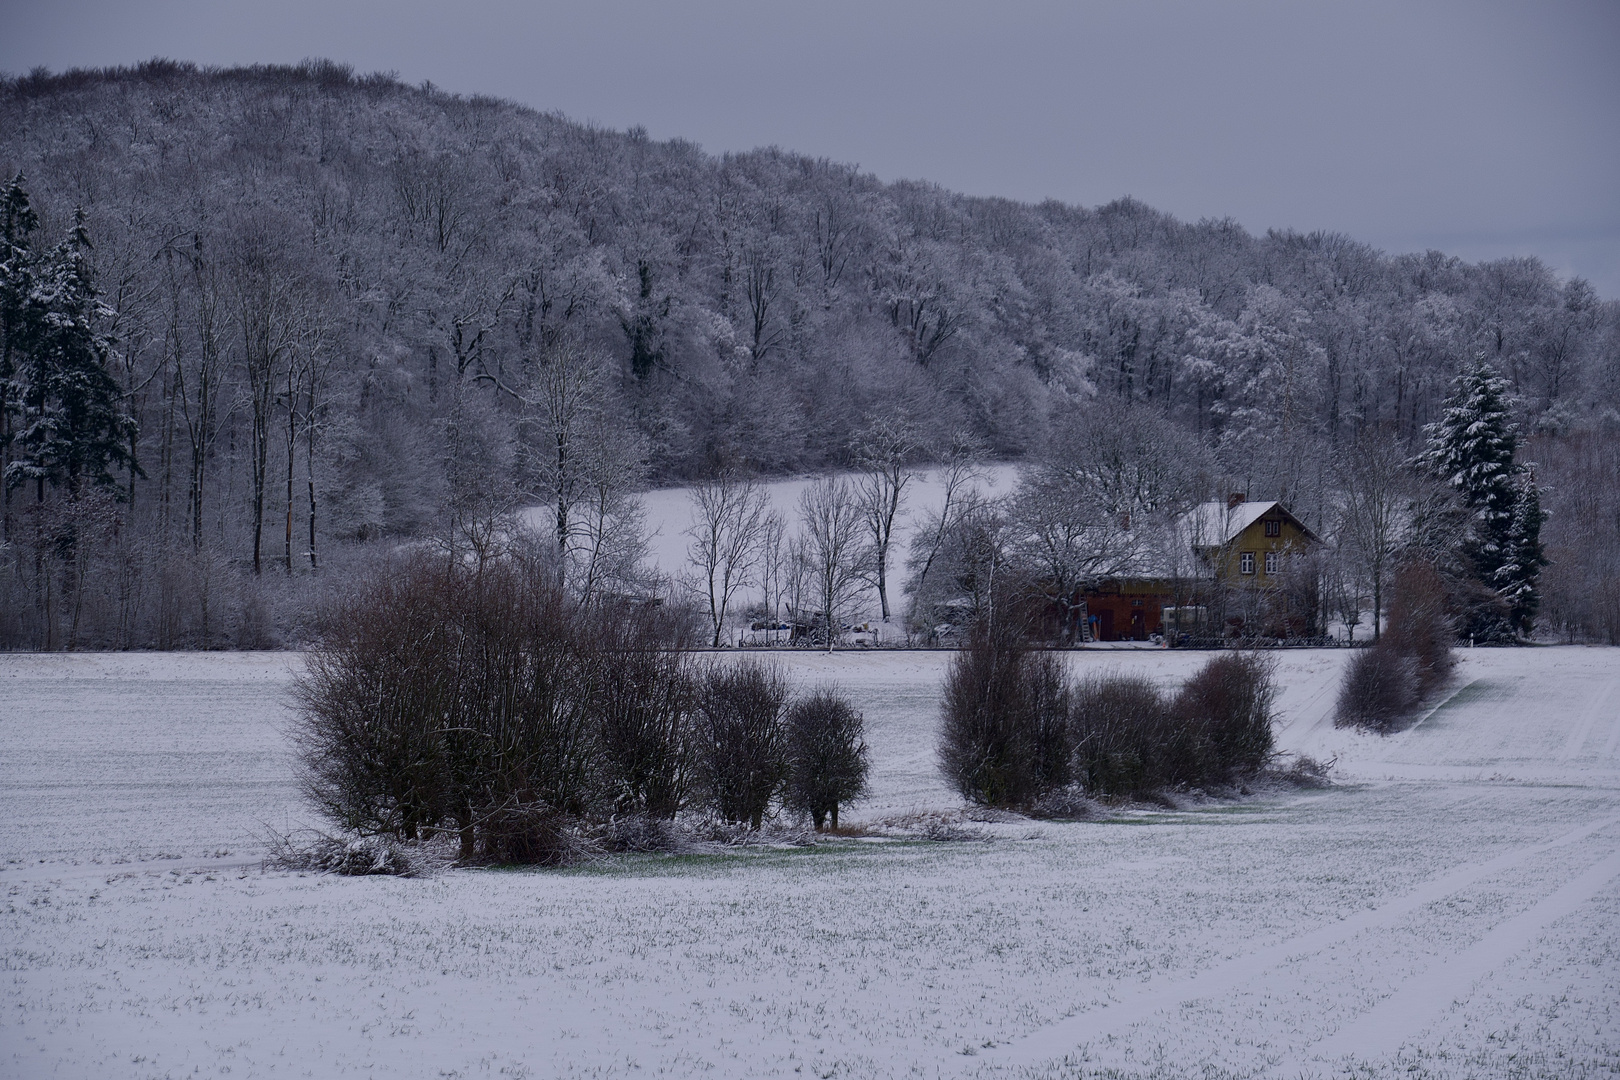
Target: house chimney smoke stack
<point>1236,499</point>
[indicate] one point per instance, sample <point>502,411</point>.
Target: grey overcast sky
<point>1483,129</point>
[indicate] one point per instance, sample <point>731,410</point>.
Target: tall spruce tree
<point>1516,577</point>
<point>74,428</point>
<point>1471,448</point>
<point>18,317</point>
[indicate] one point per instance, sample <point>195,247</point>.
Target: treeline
<point>341,310</point>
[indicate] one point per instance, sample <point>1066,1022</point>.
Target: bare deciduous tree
<point>830,522</point>
<point>732,514</point>
<point>884,451</point>
<point>1375,488</point>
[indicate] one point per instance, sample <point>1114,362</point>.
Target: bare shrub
<point>374,699</point>
<point>1051,740</point>
<point>1125,740</point>
<point>1419,625</point>
<point>1131,740</point>
<point>1227,704</point>
<point>827,757</point>
<point>741,741</point>
<point>445,695</point>
<point>533,835</point>
<point>1380,687</point>
<point>1001,719</point>
<point>642,684</point>
<point>1384,685</point>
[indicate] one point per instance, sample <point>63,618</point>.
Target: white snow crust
<point>1450,908</point>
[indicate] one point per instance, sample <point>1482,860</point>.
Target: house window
<point>1273,561</point>
<point>1246,562</point>
<point>1273,528</point>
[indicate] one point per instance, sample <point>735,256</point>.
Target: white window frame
<point>1273,562</point>
<point>1246,563</point>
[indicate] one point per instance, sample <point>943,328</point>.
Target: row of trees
<point>490,702</point>
<point>340,309</point>
<point>818,572</point>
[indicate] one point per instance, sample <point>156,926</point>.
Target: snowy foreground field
<point>1450,909</point>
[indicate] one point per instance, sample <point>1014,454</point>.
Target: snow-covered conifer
<point>74,426</point>
<point>1471,448</point>
<point>1516,577</point>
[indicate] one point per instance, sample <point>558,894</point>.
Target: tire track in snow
<point>1062,1036</point>
<point>1410,1010</point>
<point>1583,729</point>
<point>1613,744</point>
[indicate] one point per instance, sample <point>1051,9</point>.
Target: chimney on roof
<point>1235,499</point>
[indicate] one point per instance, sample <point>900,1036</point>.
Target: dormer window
<point>1246,562</point>
<point>1274,527</point>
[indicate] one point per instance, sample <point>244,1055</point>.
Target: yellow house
<point>1248,543</point>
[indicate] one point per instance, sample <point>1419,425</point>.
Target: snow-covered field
<point>1450,909</point>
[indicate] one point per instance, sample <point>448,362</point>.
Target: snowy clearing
<point>1450,909</point>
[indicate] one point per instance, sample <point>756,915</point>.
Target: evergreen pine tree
<point>1516,577</point>
<point>1471,448</point>
<point>18,322</point>
<point>74,429</point>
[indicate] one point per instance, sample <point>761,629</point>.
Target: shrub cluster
<point>1005,732</point>
<point>1130,739</point>
<point>1015,729</point>
<point>1385,683</point>
<point>490,703</point>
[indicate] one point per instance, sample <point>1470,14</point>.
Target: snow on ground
<point>1450,909</point>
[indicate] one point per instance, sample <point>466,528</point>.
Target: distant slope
<point>417,253</point>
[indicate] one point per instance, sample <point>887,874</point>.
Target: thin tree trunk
<point>292,458</point>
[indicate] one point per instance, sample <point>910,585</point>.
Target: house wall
<point>1253,540</point>
<point>1129,610</point>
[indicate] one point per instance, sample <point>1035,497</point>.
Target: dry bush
<point>1228,704</point>
<point>374,699</point>
<point>1380,688</point>
<point>1419,625</point>
<point>827,756</point>
<point>1125,740</point>
<point>446,697</point>
<point>1385,684</point>
<point>741,740</point>
<point>1004,725</point>
<point>1131,740</point>
<point>642,684</point>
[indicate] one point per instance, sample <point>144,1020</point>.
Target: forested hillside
<point>341,309</point>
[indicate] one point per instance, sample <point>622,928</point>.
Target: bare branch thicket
<point>1375,494</point>
<point>732,514</point>
<point>741,738</point>
<point>884,451</point>
<point>830,525</point>
<point>452,697</point>
<point>1133,740</point>
<point>642,682</point>
<point>1004,724</point>
<point>1385,684</point>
